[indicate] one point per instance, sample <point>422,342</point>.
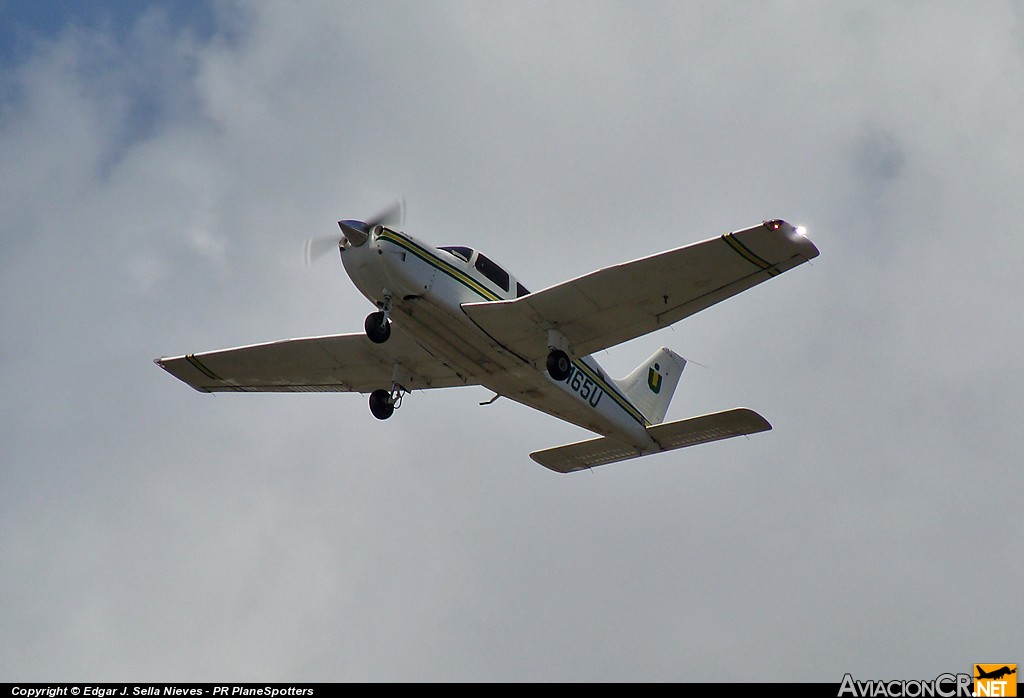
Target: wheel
<point>380,404</point>
<point>559,366</point>
<point>378,329</point>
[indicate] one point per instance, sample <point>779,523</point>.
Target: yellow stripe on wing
<point>749,255</point>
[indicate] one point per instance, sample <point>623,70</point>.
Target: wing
<point>616,304</point>
<point>336,363</point>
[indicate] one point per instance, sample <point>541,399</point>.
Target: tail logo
<point>654,379</point>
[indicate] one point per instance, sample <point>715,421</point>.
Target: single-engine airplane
<point>451,316</point>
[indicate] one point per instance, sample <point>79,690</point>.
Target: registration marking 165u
<point>584,386</point>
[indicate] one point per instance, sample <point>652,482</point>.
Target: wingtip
<point>756,419</point>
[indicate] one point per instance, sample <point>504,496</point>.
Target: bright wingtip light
<point>801,231</point>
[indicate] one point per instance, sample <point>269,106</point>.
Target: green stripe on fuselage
<point>439,264</point>
<point>485,293</point>
<point>610,389</point>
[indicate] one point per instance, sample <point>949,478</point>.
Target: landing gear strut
<point>559,365</point>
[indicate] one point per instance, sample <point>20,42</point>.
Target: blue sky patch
<point>23,22</point>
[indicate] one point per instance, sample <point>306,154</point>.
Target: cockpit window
<point>463,253</point>
<point>521,290</point>
<point>492,271</point>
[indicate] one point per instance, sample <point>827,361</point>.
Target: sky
<point>162,164</point>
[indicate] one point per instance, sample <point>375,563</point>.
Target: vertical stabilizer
<point>650,386</point>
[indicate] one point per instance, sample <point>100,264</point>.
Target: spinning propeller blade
<point>318,247</point>
<point>392,217</point>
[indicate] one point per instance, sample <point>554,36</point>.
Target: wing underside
<point>334,363</point>
<point>618,303</point>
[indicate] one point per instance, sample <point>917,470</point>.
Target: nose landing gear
<point>378,327</point>
<point>378,324</point>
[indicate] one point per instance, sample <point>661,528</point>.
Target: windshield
<point>463,253</point>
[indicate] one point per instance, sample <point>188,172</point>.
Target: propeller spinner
<point>355,233</point>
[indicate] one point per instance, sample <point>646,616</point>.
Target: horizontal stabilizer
<point>687,432</point>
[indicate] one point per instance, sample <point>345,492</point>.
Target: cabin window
<point>521,290</point>
<point>492,271</point>
<point>463,253</point>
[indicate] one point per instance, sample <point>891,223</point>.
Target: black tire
<point>377,328</point>
<point>380,404</point>
<point>559,365</point>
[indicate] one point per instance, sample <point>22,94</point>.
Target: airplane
<point>451,316</point>
<point>997,674</point>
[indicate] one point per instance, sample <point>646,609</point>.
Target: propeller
<point>355,232</point>
<point>392,217</point>
<point>318,247</point>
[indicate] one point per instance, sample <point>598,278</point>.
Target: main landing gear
<point>559,365</point>
<point>383,403</point>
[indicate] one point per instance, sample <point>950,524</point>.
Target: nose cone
<point>356,232</point>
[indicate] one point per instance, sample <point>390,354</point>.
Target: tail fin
<point>650,386</point>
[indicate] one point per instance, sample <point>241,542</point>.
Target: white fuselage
<point>428,286</point>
